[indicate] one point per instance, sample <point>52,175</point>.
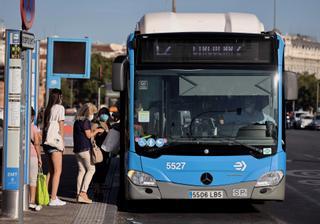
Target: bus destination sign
<point>156,50</point>
<point>204,50</point>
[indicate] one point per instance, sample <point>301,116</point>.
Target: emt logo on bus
<point>241,166</point>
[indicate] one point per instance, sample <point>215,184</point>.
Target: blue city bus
<point>202,115</point>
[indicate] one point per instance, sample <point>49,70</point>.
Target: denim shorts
<point>49,149</point>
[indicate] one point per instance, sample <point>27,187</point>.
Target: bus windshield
<point>209,106</point>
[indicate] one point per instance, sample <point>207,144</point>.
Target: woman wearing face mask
<point>101,121</point>
<point>82,133</point>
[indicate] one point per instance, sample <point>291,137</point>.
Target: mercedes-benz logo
<point>206,178</point>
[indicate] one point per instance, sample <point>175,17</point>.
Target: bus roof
<point>169,22</point>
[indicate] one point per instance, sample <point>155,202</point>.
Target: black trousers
<point>101,169</point>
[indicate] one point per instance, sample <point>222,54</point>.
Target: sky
<point>110,21</point>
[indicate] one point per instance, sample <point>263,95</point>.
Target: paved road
<point>302,204</point>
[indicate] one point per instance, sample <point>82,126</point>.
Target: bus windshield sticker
<point>144,116</point>
<point>142,142</point>
<point>160,142</point>
<point>143,84</point>
<point>267,151</point>
<point>151,142</point>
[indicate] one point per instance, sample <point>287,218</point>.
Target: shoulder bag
<point>96,154</point>
<point>54,139</point>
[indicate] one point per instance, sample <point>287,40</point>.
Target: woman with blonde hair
<point>82,134</point>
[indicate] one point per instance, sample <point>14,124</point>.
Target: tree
<point>65,88</point>
<point>86,90</point>
<point>307,91</point>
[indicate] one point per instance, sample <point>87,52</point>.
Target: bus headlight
<point>270,179</point>
<point>142,179</point>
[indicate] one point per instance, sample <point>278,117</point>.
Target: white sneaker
<point>56,202</point>
<point>38,208</point>
<point>32,206</point>
<point>35,207</point>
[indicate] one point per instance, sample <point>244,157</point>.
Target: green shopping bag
<point>42,196</point>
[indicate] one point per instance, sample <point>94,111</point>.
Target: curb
<point>112,194</point>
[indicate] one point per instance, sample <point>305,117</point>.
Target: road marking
<point>310,182</point>
<point>132,221</point>
<point>311,174</point>
<point>303,195</point>
<point>311,156</point>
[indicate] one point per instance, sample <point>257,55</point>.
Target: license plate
<point>206,194</point>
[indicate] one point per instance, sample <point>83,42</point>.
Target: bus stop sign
<point>27,40</point>
<point>27,8</point>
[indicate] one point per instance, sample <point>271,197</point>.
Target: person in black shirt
<point>82,134</point>
<point>99,177</point>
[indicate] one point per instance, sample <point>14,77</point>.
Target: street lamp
<point>71,93</point>
<point>317,104</point>
<point>174,8</point>
<point>274,14</point>
<point>99,93</point>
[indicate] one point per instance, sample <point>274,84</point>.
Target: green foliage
<point>101,68</point>
<point>307,92</point>
<point>86,90</point>
<point>65,88</point>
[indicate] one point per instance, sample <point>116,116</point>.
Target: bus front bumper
<point>167,190</point>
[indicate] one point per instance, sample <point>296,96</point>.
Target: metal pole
<point>12,158</point>
<point>71,93</point>
<point>293,105</point>
<point>27,127</point>
<point>318,82</point>
<point>174,8</point>
<point>99,97</point>
<point>274,14</point>
<point>22,135</point>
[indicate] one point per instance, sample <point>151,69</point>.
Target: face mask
<point>104,117</point>
<point>90,118</point>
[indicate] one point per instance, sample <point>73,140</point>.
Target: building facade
<point>302,54</point>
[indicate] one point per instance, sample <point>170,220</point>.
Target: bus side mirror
<point>290,85</point>
<point>119,69</point>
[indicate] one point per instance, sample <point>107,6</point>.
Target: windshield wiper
<point>255,149</point>
<point>230,140</point>
<point>234,141</point>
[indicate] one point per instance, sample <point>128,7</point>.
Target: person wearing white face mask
<point>82,134</point>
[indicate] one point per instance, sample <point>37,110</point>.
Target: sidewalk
<point>99,212</point>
